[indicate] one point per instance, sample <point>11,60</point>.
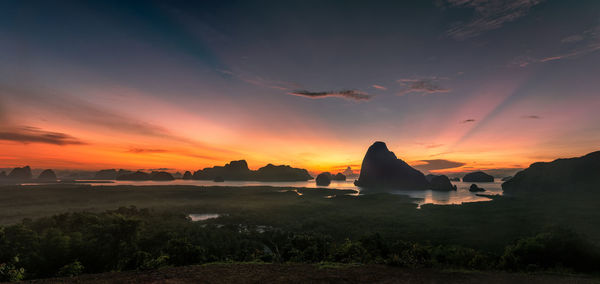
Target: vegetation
<point>264,224</point>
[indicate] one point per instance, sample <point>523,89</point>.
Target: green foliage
<point>128,238</point>
<point>267,225</point>
<point>9,271</point>
<point>72,269</point>
<point>558,249</point>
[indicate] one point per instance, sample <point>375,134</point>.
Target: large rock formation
<point>3,175</point>
<point>478,177</point>
<point>238,170</point>
<point>47,175</point>
<point>281,173</point>
<point>381,169</point>
<point>23,173</point>
<point>135,176</point>
<point>349,173</point>
<point>561,175</point>
<point>338,176</point>
<point>161,176</point>
<point>235,170</point>
<point>475,188</point>
<point>187,175</point>
<point>440,183</point>
<point>110,174</point>
<point>323,179</point>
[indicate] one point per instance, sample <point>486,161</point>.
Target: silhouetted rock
<point>455,179</point>
<point>561,175</point>
<point>3,175</point>
<point>429,177</point>
<point>506,178</point>
<point>238,170</point>
<point>23,173</point>
<point>177,175</point>
<point>381,168</point>
<point>281,173</point>
<point>187,175</point>
<point>349,173</point>
<point>440,183</point>
<point>135,176</point>
<point>475,188</point>
<point>478,177</point>
<point>161,176</point>
<point>323,179</point>
<point>218,179</point>
<point>123,172</point>
<point>338,176</point>
<point>109,174</point>
<point>47,175</point>
<point>235,170</point>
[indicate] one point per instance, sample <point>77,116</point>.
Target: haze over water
<point>461,195</point>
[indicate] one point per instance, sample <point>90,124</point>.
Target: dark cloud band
<point>347,94</point>
<point>36,135</point>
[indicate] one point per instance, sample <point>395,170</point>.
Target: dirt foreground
<point>306,273</point>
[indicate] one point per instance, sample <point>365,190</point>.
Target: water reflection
<point>461,195</point>
<point>202,217</point>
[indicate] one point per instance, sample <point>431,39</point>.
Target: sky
<point>449,85</point>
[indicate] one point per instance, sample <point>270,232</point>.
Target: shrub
<point>9,271</point>
<point>72,269</point>
<point>558,249</point>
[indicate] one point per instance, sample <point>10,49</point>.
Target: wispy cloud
<point>468,120</point>
<point>379,87</point>
<point>98,118</point>
<point>430,145</point>
<point>146,151</point>
<point>28,134</point>
<point>573,38</point>
<point>576,45</point>
<point>260,81</point>
<point>422,85</point>
<point>437,164</point>
<point>346,94</point>
<point>488,15</point>
<point>531,117</point>
<point>85,112</point>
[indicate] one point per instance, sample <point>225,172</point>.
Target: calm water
<point>462,194</point>
<point>202,217</point>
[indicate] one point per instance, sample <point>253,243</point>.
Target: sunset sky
<point>451,85</point>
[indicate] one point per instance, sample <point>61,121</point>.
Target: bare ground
<point>306,273</point>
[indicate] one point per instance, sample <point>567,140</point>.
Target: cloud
<point>592,47</point>
<point>423,86</point>
<point>468,120</point>
<point>347,94</point>
<point>573,38</point>
<point>259,81</point>
<point>96,117</point>
<point>430,145</point>
<point>488,15</point>
<point>379,87</point>
<point>85,112</point>
<point>30,134</point>
<point>438,164</point>
<point>145,151</point>
<point>531,117</point>
<point>581,44</point>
